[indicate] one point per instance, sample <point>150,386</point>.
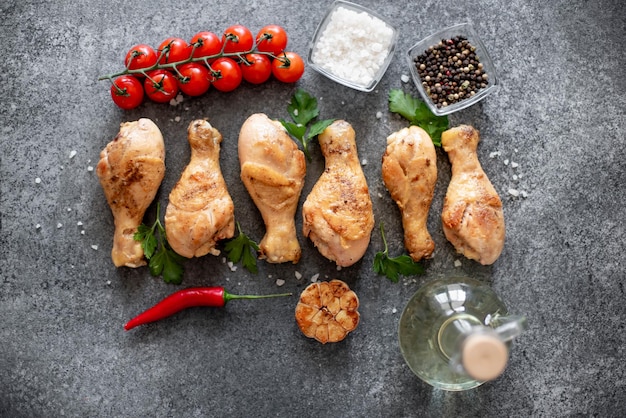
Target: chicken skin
<point>273,170</point>
<point>409,170</point>
<point>200,211</point>
<point>338,215</point>
<point>473,219</point>
<point>130,170</point>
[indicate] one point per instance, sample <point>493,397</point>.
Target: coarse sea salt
<point>353,46</point>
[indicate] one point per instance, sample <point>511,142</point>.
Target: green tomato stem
<point>205,60</point>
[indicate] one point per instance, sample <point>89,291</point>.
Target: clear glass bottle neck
<point>479,350</point>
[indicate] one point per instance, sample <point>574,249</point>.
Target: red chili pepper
<point>215,297</point>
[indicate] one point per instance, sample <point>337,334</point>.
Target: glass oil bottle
<point>455,333</point>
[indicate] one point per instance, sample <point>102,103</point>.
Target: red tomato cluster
<point>207,60</point>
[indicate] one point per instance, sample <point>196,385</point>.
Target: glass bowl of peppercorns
<point>452,69</point>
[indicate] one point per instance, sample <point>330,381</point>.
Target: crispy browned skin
<point>327,311</point>
<point>200,211</point>
<point>473,220</point>
<point>338,215</point>
<point>273,170</point>
<point>130,170</point>
<point>409,170</point>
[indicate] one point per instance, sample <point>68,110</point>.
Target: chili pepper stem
<point>230,296</point>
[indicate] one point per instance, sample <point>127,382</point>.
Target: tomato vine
<point>144,64</point>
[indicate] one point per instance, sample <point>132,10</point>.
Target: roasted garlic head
<point>327,311</point>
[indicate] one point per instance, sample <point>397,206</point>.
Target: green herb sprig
<point>303,109</point>
<point>418,113</point>
<point>396,266</point>
<point>241,249</point>
<point>162,260</point>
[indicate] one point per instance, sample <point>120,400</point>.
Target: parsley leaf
<point>162,260</point>
<point>396,266</point>
<point>319,126</point>
<point>303,109</point>
<point>418,113</point>
<point>241,249</point>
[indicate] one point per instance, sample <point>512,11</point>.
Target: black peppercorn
<point>450,71</point>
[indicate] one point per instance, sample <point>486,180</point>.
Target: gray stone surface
<point>559,115</point>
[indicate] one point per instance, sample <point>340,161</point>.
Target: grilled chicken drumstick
<point>473,220</point>
<point>130,170</point>
<point>273,170</point>
<point>338,215</point>
<point>200,211</point>
<point>409,171</point>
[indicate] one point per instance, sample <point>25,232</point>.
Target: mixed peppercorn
<point>451,71</point>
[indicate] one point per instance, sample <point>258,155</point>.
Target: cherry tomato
<point>195,80</point>
<point>237,38</point>
<point>207,44</point>
<point>288,67</point>
<point>140,56</point>
<point>226,75</point>
<point>272,39</point>
<point>174,50</point>
<point>161,86</point>
<point>256,69</point>
<point>127,92</point>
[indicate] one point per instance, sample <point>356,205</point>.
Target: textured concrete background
<point>559,115</point>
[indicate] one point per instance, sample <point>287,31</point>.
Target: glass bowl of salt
<point>353,46</point>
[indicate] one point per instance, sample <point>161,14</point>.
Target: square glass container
<point>320,31</point>
<point>466,30</point>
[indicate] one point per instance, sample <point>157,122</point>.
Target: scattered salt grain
<point>72,154</point>
<point>338,268</point>
<point>298,275</point>
<point>82,232</point>
<point>513,192</point>
<point>394,310</point>
<point>69,209</point>
<point>457,263</point>
<point>295,112</point>
<point>59,225</point>
<point>404,78</point>
<point>79,223</point>
<point>514,165</point>
<point>364,161</point>
<point>524,194</point>
<point>89,168</point>
<point>38,226</point>
<point>353,46</point>
<point>380,195</point>
<point>177,119</point>
<point>95,247</point>
<point>280,282</point>
<point>494,154</point>
<point>506,162</point>
<point>177,100</point>
<point>231,266</point>
<point>108,282</point>
<point>37,180</point>
<point>379,115</point>
<point>515,177</point>
<point>315,277</point>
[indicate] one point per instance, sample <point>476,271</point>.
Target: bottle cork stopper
<point>484,357</point>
